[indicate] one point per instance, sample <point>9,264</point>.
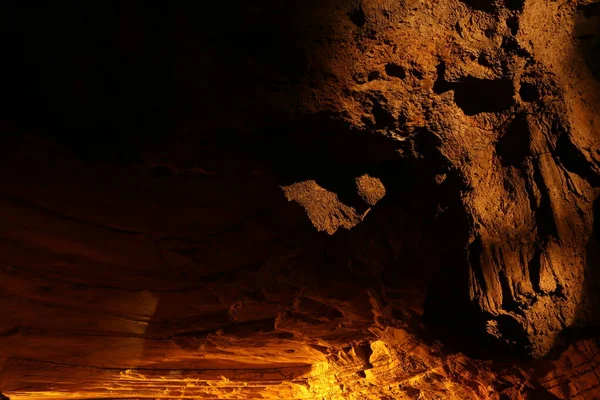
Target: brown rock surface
<point>334,199</point>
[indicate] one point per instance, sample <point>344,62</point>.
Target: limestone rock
<point>167,173</point>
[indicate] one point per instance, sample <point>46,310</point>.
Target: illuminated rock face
<point>325,200</point>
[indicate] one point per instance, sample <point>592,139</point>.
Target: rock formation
<point>339,199</point>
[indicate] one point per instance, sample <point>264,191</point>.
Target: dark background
<point>103,76</point>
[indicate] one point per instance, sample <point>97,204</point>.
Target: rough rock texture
<point>325,211</point>
<point>334,199</point>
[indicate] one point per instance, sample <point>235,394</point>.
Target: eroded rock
<point>448,150</point>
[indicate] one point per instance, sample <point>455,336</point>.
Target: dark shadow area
<point>90,73</point>
<point>474,95</point>
<point>513,25</point>
<point>570,156</point>
<point>395,70</point>
<point>536,393</point>
<point>513,146</point>
<point>322,147</point>
<point>529,92</point>
<point>589,309</point>
<point>453,318</point>
<point>481,5</point>
<point>490,6</point>
<point>587,33</point>
<point>514,5</point>
<point>104,77</point>
<point>440,85</point>
<point>357,16</point>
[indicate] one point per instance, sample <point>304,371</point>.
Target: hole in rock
<point>475,96</point>
<point>511,45</point>
<point>440,85</point>
<point>373,75</point>
<point>383,116</point>
<point>357,16</point>
<point>484,59</point>
<point>529,92</point>
<point>364,353</point>
<point>513,25</point>
<point>395,70</point>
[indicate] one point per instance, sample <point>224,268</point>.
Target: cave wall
<point>333,199</point>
